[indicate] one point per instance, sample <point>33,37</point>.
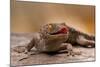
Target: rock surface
<point>22,39</point>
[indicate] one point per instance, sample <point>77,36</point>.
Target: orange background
<point>29,16</point>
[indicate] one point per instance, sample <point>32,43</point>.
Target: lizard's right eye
<point>50,26</point>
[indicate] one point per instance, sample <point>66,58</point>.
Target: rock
<point>22,39</point>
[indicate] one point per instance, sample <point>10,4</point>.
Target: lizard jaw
<point>63,30</point>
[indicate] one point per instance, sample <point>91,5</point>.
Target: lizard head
<point>54,35</point>
<point>54,29</point>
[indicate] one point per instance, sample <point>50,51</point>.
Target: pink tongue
<point>63,30</point>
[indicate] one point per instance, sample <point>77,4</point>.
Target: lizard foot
<point>73,53</point>
<point>19,49</point>
<point>28,55</point>
<point>70,52</point>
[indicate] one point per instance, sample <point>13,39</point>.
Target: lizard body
<point>54,37</point>
<point>54,34</point>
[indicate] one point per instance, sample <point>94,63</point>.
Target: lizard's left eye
<point>50,26</point>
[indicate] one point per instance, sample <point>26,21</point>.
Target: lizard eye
<point>50,26</point>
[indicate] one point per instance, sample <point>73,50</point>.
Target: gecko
<point>57,37</point>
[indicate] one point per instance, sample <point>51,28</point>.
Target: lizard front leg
<point>67,48</point>
<point>30,45</point>
<point>25,49</point>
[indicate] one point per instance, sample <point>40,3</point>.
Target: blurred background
<point>29,16</point>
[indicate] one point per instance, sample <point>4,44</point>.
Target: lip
<point>61,31</point>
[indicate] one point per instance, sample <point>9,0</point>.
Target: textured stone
<point>22,39</point>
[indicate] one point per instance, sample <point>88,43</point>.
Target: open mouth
<point>61,31</point>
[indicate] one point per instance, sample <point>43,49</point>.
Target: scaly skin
<point>52,36</point>
<point>55,37</point>
<point>47,40</point>
<point>80,38</point>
